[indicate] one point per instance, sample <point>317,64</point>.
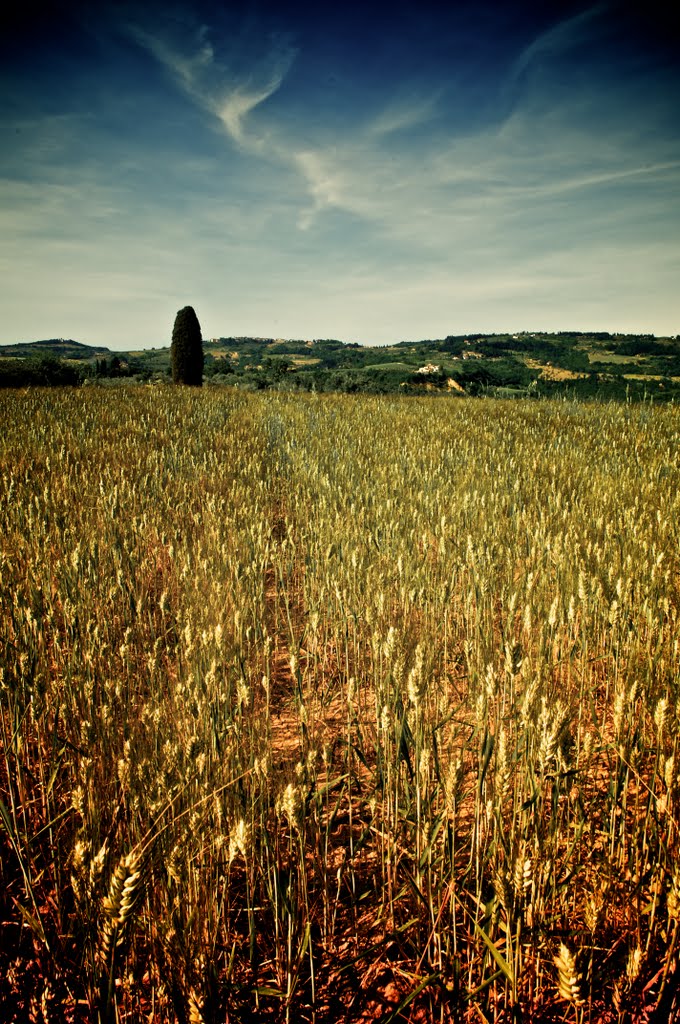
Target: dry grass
<point>324,708</point>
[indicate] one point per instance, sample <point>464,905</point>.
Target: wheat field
<point>323,708</point>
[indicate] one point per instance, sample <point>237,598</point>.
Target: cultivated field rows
<point>323,707</point>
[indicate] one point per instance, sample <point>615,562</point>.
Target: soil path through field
<point>307,699</point>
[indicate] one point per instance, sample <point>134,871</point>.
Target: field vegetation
<point>321,707</point>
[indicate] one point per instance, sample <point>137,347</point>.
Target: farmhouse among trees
<point>186,350</point>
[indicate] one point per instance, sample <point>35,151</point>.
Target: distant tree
<point>186,350</point>
<point>40,371</point>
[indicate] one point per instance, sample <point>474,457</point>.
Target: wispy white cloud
<point>554,142</point>
<point>556,187</point>
<point>403,115</point>
<point>229,92</point>
<point>373,170</point>
<point>565,36</point>
<point>324,182</point>
<point>58,209</point>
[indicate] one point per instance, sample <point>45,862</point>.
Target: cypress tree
<point>186,350</point>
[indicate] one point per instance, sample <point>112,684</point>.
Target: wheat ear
<point>569,979</point>
<point>125,889</point>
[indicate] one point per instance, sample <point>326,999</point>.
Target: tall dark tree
<point>186,350</point>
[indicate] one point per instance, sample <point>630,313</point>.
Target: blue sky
<point>367,173</point>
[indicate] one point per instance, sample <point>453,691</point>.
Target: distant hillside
<point>59,348</point>
<point>582,364</point>
<point>540,364</point>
